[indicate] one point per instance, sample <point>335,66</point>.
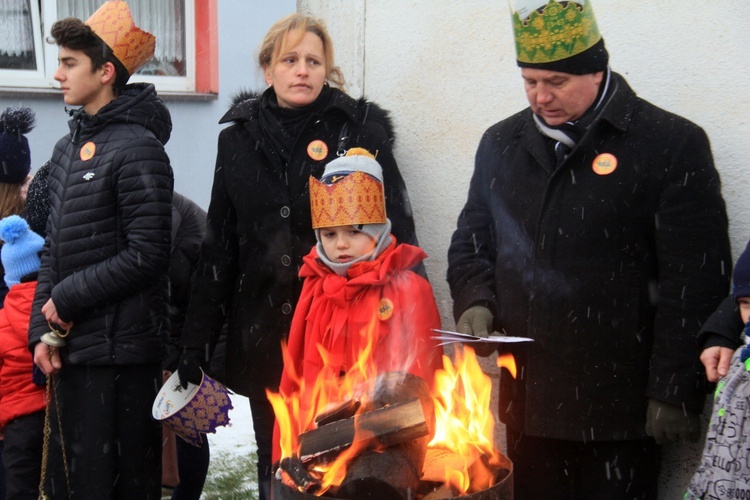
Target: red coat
<point>382,295</point>
<point>18,394</point>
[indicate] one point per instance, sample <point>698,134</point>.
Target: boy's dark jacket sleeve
<point>723,327</point>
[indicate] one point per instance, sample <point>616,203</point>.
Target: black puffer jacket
<point>107,251</point>
<point>259,228</point>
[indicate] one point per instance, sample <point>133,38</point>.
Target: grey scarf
<point>568,134</point>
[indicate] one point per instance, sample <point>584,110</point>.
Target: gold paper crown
<point>358,198</point>
<point>114,24</point>
<point>557,33</point>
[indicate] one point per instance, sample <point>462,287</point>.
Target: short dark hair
<point>74,34</point>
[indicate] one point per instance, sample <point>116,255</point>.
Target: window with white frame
<point>28,61</point>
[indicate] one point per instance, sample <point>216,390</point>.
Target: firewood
<point>296,471</point>
<point>387,426</point>
<point>338,411</point>
<point>438,459</point>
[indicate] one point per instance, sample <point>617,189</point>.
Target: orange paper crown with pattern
<point>354,197</point>
<point>114,24</point>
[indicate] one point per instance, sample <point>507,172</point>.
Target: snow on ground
<point>237,438</point>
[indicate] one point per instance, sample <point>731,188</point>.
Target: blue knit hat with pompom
<point>21,247</point>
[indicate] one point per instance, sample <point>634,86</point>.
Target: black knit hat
<point>741,275</point>
<point>37,201</point>
<point>591,60</point>
<point>15,155</point>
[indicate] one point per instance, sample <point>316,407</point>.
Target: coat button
<point>286,308</point>
<point>286,260</point>
<point>285,211</point>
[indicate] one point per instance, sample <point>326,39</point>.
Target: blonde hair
<point>11,200</point>
<point>277,39</point>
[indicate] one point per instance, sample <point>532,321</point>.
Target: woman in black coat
<point>259,224</point>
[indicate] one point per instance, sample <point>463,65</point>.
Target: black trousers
<point>263,422</point>
<point>22,460</point>
<point>192,463</point>
<point>552,468</point>
<point>113,445</point>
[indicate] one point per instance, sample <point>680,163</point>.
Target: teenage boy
<point>103,277</point>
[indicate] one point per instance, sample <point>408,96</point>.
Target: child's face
<point>345,243</point>
<point>744,304</point>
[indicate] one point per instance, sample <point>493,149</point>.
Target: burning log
<point>298,474</point>
<point>382,427</point>
<point>337,412</point>
<point>396,471</point>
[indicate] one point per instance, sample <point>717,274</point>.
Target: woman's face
<point>299,73</point>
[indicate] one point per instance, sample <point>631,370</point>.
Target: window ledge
<point>29,92</point>
<point>188,96</point>
<point>51,93</point>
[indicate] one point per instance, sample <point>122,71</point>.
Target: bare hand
<point>50,314</point>
<point>47,358</point>
<point>716,361</point>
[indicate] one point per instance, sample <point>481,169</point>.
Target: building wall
<point>192,147</point>
<point>446,71</point>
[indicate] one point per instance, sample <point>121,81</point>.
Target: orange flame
<point>296,412</point>
<point>508,362</point>
<point>465,424</point>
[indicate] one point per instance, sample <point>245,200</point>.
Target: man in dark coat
<point>595,225</point>
<point>103,277</point>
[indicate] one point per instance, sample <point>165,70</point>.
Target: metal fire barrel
<point>501,490</point>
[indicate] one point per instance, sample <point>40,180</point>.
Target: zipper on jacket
<point>343,138</point>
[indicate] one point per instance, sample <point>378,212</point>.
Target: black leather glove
<point>666,422</point>
<point>189,368</point>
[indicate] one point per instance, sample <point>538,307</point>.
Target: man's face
<point>560,97</point>
<point>79,84</point>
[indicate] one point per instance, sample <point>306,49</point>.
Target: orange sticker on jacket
<point>604,164</point>
<point>87,151</point>
<point>385,309</point>
<point>317,150</point>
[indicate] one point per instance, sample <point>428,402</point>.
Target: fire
<point>465,424</point>
<point>508,362</point>
<point>464,421</point>
<point>296,412</point>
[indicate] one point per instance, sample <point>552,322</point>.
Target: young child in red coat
<point>359,290</point>
<point>22,402</point>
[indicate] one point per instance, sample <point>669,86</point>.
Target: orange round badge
<point>87,151</point>
<point>317,150</point>
<point>604,164</point>
<point>385,309</point>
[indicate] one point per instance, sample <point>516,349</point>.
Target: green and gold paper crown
<point>557,32</point>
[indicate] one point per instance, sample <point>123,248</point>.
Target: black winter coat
<point>611,275</point>
<point>259,228</point>
<point>106,255</point>
<point>188,229</point>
